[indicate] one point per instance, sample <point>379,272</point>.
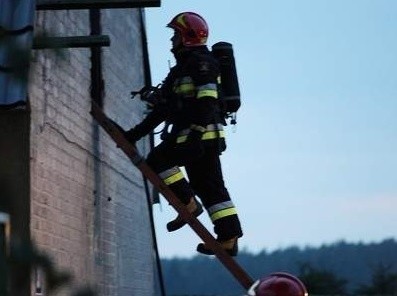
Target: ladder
<point>235,269</point>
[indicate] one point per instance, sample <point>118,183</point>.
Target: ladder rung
<point>71,42</point>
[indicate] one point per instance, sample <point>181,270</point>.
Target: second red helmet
<point>280,284</point>
<point>192,27</point>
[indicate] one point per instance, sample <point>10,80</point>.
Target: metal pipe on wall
<point>148,82</point>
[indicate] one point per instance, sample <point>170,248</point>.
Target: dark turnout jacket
<point>189,100</point>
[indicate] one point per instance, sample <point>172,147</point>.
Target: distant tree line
<point>337,269</point>
<point>323,282</point>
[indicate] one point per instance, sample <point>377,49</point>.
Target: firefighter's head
<point>190,30</point>
<point>280,284</point>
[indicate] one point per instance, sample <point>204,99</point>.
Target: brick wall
<point>88,204</point>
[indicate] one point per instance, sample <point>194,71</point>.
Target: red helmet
<point>192,27</point>
<point>280,284</point>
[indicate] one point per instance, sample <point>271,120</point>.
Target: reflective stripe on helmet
<point>171,175</point>
<point>222,210</point>
<point>181,21</point>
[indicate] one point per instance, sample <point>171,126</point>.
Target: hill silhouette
<point>353,262</point>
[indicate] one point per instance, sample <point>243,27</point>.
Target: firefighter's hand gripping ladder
<point>241,276</point>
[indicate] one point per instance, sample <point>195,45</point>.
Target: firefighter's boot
<point>194,208</point>
<point>230,246</point>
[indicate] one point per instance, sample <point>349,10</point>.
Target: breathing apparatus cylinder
<point>230,91</point>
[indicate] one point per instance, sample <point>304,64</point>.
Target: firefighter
<point>188,104</point>
<point>278,284</point>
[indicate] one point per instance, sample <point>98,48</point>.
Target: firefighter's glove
<point>192,148</point>
<point>152,97</point>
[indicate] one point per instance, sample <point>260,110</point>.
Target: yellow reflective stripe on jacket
<point>223,213</point>
<point>207,90</point>
<point>213,131</point>
<point>214,127</point>
<point>213,135</point>
<point>184,86</point>
<point>187,88</point>
<point>207,93</point>
<point>206,136</point>
<point>210,128</point>
<point>181,139</point>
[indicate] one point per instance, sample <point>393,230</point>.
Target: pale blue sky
<point>314,157</point>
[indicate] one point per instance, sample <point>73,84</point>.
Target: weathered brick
<point>85,193</point>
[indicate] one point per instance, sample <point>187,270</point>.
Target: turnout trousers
<point>205,180</point>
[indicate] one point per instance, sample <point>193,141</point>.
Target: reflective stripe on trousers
<point>222,210</point>
<point>171,175</point>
